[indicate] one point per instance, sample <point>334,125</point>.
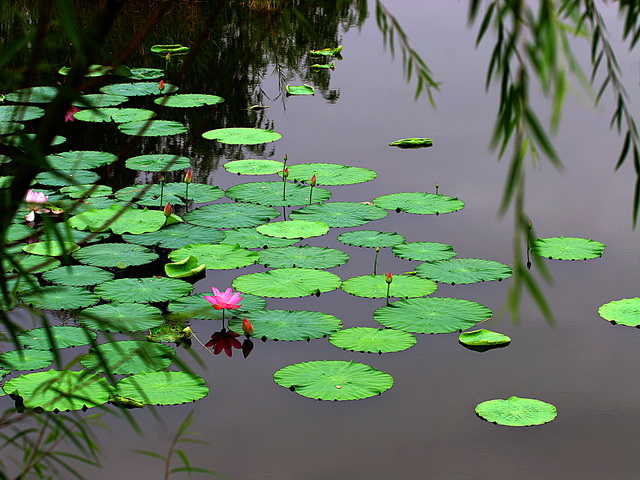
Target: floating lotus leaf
<point>120,317</point>
<point>17,232</point>
<point>329,173</point>
<point>483,338</point>
<point>303,257</point>
<point>141,73</point>
<point>6,181</point>
<point>287,282</point>
<point>26,359</point>
<point>333,380</point>
<point>80,159</point>
<point>132,220</point>
<point>419,203</point>
<point>242,136</point>
<point>17,140</point>
<point>300,90</point>
<point>84,191</point>
<point>188,100</point>
<point>176,236</point>
<point>372,340</point>
<point>270,193</point>
<point>115,255</point>
<point>340,214</point>
<point>152,128</point>
<point>326,52</point>
<point>51,249</point>
<point>143,290</point>
<point>138,89</point>
<point>251,238</point>
<point>324,66</point>
<point>67,177</point>
<point>567,248</point>
<point>60,297</point>
<point>150,195</point>
<point>170,332</point>
<point>516,411</point>
<point>76,236</point>
<point>63,337</point>
<point>254,167</point>
<point>623,312</point>
<point>424,251</point>
<point>29,263</point>
<point>33,95</point>
<point>55,390</point>
<point>86,204</point>
<point>217,257</point>
<point>4,158</point>
<point>116,115</point>
<point>19,113</point>
<point>10,127</point>
<point>163,388</point>
<point>175,49</point>
<point>128,357</point>
<point>196,306</point>
<point>412,143</point>
<point>371,238</point>
<point>158,163</point>
<point>432,315</point>
<point>99,100</point>
<point>464,270</point>
<point>231,215</point>
<point>294,229</point>
<point>288,325</point>
<point>187,267</point>
<point>375,286</point>
<point>92,71</point>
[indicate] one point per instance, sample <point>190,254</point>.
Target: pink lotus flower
<point>227,300</point>
<point>35,203</point>
<point>224,340</point>
<point>68,117</point>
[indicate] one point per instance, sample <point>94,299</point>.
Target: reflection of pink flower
<point>35,203</point>
<point>227,300</point>
<point>224,340</point>
<point>68,117</point>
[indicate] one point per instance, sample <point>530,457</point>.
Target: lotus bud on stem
<point>247,328</point>
<point>285,174</point>
<point>168,211</point>
<point>437,188</point>
<point>375,261</point>
<point>388,279</point>
<point>187,180</point>
<point>161,85</point>
<point>166,62</point>
<point>312,183</point>
<point>161,190</point>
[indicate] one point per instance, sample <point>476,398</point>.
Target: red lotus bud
<point>168,56</point>
<point>285,172</point>
<point>312,182</point>
<point>168,209</point>
<point>188,177</point>
<point>247,328</point>
<point>389,278</point>
<point>161,85</point>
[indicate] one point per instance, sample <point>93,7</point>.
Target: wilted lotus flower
<point>35,203</point>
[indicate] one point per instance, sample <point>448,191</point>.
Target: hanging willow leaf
<point>287,282</point>
<point>288,325</point>
<point>120,317</point>
<point>419,203</point>
<point>372,340</point>
<point>375,286</point>
<point>163,388</point>
<point>217,257</point>
<point>464,270</point>
<point>516,411</point>
<point>339,214</point>
<point>567,248</point>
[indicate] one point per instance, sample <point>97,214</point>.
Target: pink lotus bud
<point>312,182</point>
<point>188,177</point>
<point>389,278</point>
<point>168,209</point>
<point>161,85</point>
<point>285,172</point>
<point>168,56</point>
<point>247,328</point>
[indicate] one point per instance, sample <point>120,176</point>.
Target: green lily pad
<point>217,257</point>
<point>33,95</point>
<point>516,411</point>
<point>333,380</point>
<point>176,236</point>
<point>189,100</point>
<point>143,290</point>
<point>92,71</point>
<point>419,203</point>
<point>80,159</point>
<point>85,191</point>
<point>26,359</point>
<point>483,338</point>
<point>99,100</point>
<point>116,115</point>
<point>60,297</point>
<point>55,390</point>
<point>326,52</point>
<point>128,357</point>
<point>412,143</point>
<point>424,251</point>
<point>300,89</point>
<point>187,267</point>
<point>120,317</point>
<point>271,194</point>
<point>324,66</point>
<point>142,73</point>
<point>163,388</point>
<point>303,257</point>
<point>464,270</point>
<point>294,229</point>
<point>115,255</point>
<point>251,238</point>
<point>152,128</point>
<point>196,306</point>
<point>242,136</point>
<point>30,263</point>
<point>10,127</point>
<point>158,163</point>
<point>19,113</point>
<point>63,337</point>
<point>432,315</point>
<point>231,215</point>
<point>67,177</point>
<point>138,89</point>
<point>372,340</point>
<point>623,312</point>
<point>567,248</point>
<point>371,238</point>
<point>287,282</point>
<point>340,214</point>
<point>329,174</point>
<point>375,286</point>
<point>17,140</point>
<point>288,325</point>
<point>51,249</point>
<point>174,49</point>
<point>130,220</point>
<point>151,195</point>
<point>254,167</point>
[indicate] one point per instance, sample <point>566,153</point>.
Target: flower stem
<point>375,261</point>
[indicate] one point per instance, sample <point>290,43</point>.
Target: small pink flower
<point>35,203</point>
<point>227,300</point>
<point>68,117</point>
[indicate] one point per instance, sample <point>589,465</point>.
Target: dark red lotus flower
<point>224,340</point>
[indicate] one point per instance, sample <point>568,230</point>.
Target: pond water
<point>425,426</point>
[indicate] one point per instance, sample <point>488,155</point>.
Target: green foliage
<point>516,411</point>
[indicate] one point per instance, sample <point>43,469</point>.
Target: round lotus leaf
<point>300,90</point>
<point>303,257</point>
<point>623,312</point>
<point>116,115</point>
<point>129,220</point>
<point>372,340</point>
<point>79,236</point>
<point>217,257</point>
<point>152,128</point>
<point>55,390</point>
<point>483,338</point>
<point>120,317</point>
<point>17,232</point>
<point>17,140</point>
<point>128,357</point>
<point>158,163</point>
<point>143,290</point>
<point>156,195</point>
<point>176,236</point>
<point>294,229</point>
<point>432,315</point>
<point>329,173</point>
<point>163,388</point>
<point>115,255</point>
<point>251,238</point>
<point>29,263</point>
<point>99,100</point>
<point>176,49</point>
<point>188,100</point>
<point>56,337</point>
<point>138,89</point>
<point>231,215</point>
<point>375,286</point>
<point>80,159</point>
<point>412,143</point>
<point>10,127</point>
<point>287,282</point>
<point>60,297</point>
<point>371,238</point>
<point>242,136</point>
<point>26,359</point>
<point>419,203</point>
<point>567,248</point>
<point>271,193</point>
<point>464,270</point>
<point>516,411</point>
<point>424,251</point>
<point>333,380</point>
<point>88,203</point>
<point>141,73</point>
<point>77,275</point>
<point>84,191</point>
<point>187,267</point>
<point>67,177</point>
<point>92,71</point>
<point>196,306</point>
<point>288,325</point>
<point>19,113</point>
<point>254,167</point>
<point>326,52</point>
<point>340,214</point>
<point>33,95</point>
<point>51,249</point>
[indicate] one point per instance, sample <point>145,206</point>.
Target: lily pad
<point>419,203</point>
<point>85,191</point>
<point>67,177</point>
<point>329,173</point>
<point>623,312</point>
<point>120,317</point>
<point>17,140</point>
<point>516,411</point>
<point>217,257</point>
<point>158,163</point>
<point>33,95</point>
<point>375,286</point>
<point>143,290</point>
<point>163,388</point>
<point>59,297</point>
<point>99,100</point>
<point>19,113</point>
<point>483,338</point>
<point>142,73</point>
<point>115,255</point>
<point>288,325</point>
<point>152,128</point>
<point>412,143</point>
<point>63,337</point>
<point>372,340</point>
<point>424,251</point>
<point>189,100</point>
<point>567,248</point>
<point>187,267</point>
<point>26,359</point>
<point>116,115</point>
<point>294,229</point>
<point>128,357</point>
<point>339,214</point>
<point>325,52</point>
<point>152,194</point>
<point>271,194</point>
<point>129,220</point>
<point>333,380</point>
<point>51,249</point>
<point>251,238</point>
<point>231,215</point>
<point>254,167</point>
<point>29,263</point>
<point>300,89</point>
<point>371,238</point>
<point>80,159</point>
<point>10,127</point>
<point>242,136</point>
<point>196,306</point>
<point>303,257</point>
<point>176,236</point>
<point>174,49</point>
<point>287,282</point>
<point>138,89</point>
<point>464,270</point>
